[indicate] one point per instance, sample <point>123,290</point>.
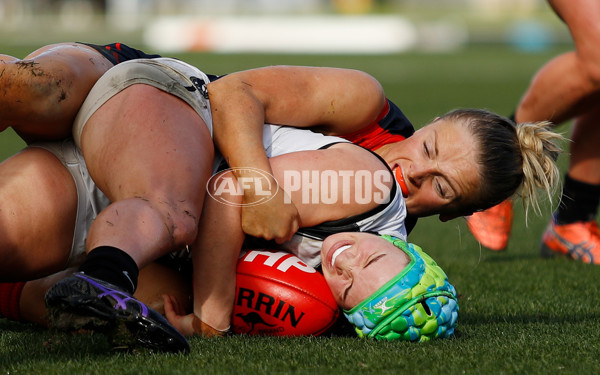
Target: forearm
<point>336,101</point>
<point>214,255</point>
<point>239,117</point>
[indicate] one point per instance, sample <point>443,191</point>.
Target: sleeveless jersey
<point>388,218</point>
<point>390,126</point>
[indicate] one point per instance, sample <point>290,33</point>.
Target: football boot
<point>84,302</point>
<point>492,227</point>
<point>579,241</point>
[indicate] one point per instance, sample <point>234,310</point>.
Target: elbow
<point>374,95</point>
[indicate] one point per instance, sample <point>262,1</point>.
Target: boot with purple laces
<point>81,301</point>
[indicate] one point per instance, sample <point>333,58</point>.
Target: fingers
<point>276,219</point>
<point>173,307</point>
<point>286,236</point>
<point>177,317</point>
<point>170,312</point>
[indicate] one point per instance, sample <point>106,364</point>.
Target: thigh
<point>37,215</point>
<point>144,142</point>
<point>53,80</point>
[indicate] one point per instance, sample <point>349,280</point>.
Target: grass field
<point>518,313</point>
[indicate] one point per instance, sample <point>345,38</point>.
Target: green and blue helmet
<point>418,304</point>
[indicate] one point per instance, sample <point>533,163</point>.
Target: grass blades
<point>518,313</point>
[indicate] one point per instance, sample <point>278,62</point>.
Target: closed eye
<point>369,263</point>
<point>373,260</point>
<point>444,188</point>
<point>441,190</point>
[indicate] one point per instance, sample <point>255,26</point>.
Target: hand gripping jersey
<point>387,218</point>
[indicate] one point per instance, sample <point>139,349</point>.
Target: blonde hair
<point>511,156</point>
<point>539,148</point>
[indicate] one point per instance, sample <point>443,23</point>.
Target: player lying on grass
<point>355,265</point>
<point>36,168</point>
<point>139,180</point>
<point>49,173</point>
<point>49,86</point>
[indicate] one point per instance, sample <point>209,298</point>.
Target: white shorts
<point>169,75</point>
<point>90,200</point>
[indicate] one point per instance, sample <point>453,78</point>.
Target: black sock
<point>579,202</point>
<point>112,265</point>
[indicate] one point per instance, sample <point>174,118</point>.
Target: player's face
<point>438,165</point>
<point>356,265</point>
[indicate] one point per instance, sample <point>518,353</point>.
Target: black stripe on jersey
<point>348,224</point>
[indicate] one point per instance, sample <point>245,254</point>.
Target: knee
<point>144,222</point>
<point>182,222</point>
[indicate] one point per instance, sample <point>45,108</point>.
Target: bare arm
<point>337,100</point>
<point>562,88</point>
<point>220,237</point>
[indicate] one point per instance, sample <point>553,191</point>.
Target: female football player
<point>153,164</point>
<point>45,170</point>
<point>387,217</point>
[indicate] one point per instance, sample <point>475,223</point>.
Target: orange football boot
<point>579,241</point>
<point>492,226</point>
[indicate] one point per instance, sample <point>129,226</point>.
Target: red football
<point>277,294</point>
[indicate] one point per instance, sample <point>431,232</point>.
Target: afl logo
<point>229,185</point>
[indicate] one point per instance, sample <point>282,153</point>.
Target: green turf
<point>519,314</point>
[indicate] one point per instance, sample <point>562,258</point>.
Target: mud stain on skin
<point>63,94</point>
<point>31,65</point>
<point>25,64</point>
<point>188,213</point>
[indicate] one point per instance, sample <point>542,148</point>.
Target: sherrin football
<point>277,294</point>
